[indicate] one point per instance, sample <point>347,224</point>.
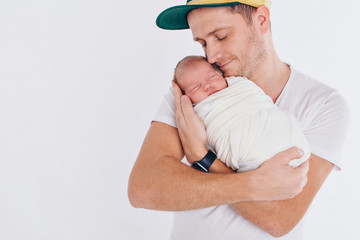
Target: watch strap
<point>205,163</point>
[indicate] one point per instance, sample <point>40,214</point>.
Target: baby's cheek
<point>224,85</point>
<point>204,95</point>
<point>193,98</point>
<point>198,97</point>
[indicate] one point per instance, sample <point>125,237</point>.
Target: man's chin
<point>228,74</point>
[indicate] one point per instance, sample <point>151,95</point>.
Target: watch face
<point>199,167</point>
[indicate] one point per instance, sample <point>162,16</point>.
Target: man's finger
<point>177,90</point>
<point>291,154</point>
<point>180,121</point>
<point>177,95</point>
<point>304,167</point>
<point>187,107</point>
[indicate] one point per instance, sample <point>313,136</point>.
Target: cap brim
<point>175,18</point>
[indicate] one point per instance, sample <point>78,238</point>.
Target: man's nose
<point>213,53</point>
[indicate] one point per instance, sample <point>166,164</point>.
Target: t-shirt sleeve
<point>166,111</point>
<point>327,131</point>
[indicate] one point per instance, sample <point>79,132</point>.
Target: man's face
<point>200,80</point>
<point>236,47</point>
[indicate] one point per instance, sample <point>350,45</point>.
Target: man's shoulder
<point>302,87</point>
<point>323,113</point>
<point>306,84</point>
<point>306,97</point>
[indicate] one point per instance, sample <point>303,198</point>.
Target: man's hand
<point>190,127</point>
<point>275,179</point>
<point>278,180</point>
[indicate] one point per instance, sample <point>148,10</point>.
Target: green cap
<point>175,18</point>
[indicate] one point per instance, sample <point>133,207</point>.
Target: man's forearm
<point>160,181</point>
<point>177,187</point>
<point>279,217</point>
<point>274,217</point>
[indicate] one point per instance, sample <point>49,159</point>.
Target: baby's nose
<point>208,86</point>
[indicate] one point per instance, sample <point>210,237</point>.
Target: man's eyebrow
<point>212,32</point>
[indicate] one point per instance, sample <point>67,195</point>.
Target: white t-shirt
<point>323,114</point>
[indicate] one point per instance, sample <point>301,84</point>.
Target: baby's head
<point>197,78</point>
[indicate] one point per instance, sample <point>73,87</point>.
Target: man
<point>269,201</point>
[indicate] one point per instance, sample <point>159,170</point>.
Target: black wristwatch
<point>205,163</point>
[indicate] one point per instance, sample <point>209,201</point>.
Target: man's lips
<point>222,66</point>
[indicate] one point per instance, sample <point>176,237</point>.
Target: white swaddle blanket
<point>245,128</point>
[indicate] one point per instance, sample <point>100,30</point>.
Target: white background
<point>79,83</point>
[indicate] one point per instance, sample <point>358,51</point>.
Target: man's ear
<point>262,18</point>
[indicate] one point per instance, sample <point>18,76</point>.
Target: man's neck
<point>272,77</point>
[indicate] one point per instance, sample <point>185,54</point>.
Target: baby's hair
<point>184,63</point>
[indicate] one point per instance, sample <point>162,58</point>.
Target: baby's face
<point>200,80</point>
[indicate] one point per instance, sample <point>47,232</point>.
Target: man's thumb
<point>291,154</point>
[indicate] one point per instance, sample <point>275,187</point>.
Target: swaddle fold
<point>245,128</point>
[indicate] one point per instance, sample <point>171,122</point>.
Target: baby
<point>198,79</point>
<point>244,126</point>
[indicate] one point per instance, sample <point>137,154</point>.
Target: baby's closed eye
<point>195,88</point>
<point>212,78</point>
